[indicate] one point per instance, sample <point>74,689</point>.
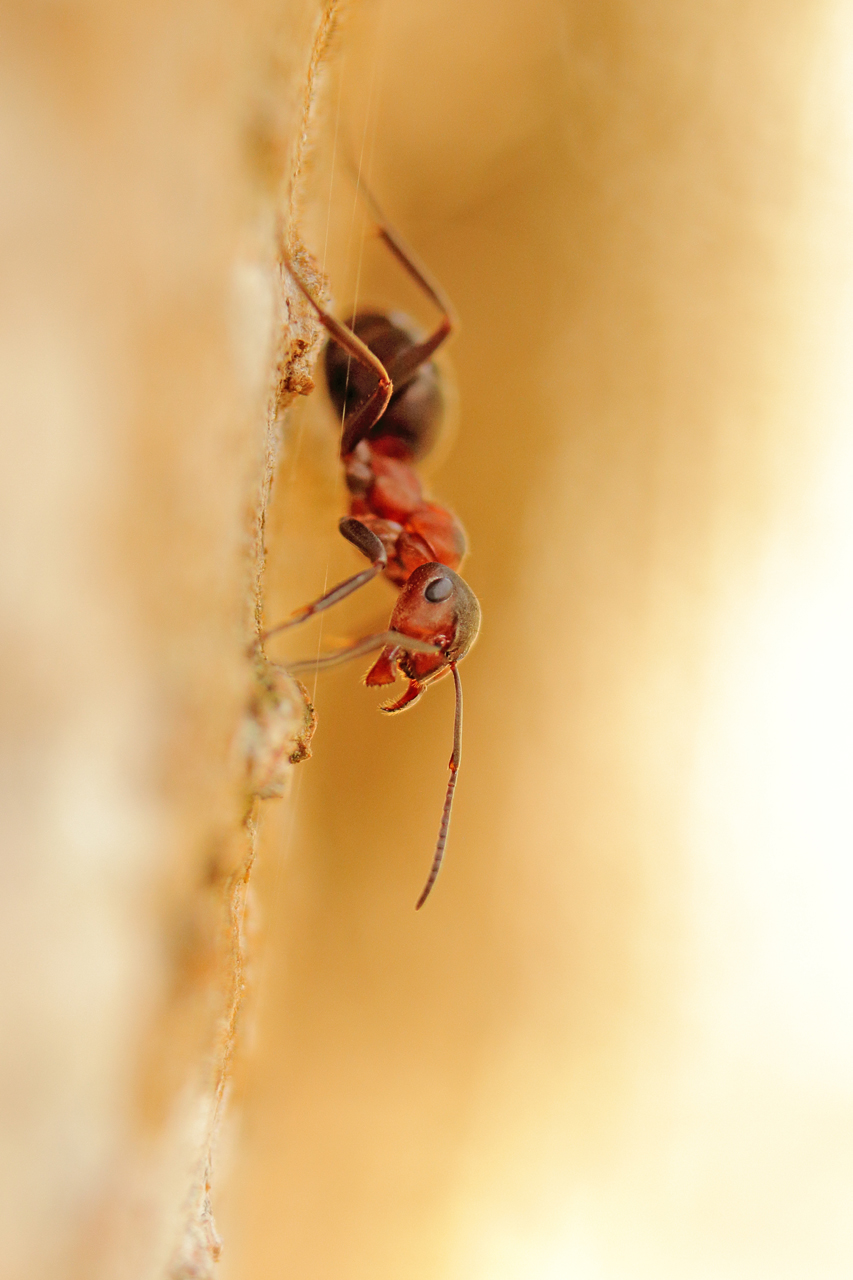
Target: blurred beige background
<point>616,1043</point>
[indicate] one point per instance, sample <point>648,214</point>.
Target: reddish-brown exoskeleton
<point>387,388</point>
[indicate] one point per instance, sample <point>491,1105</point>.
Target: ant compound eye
<point>438,590</point>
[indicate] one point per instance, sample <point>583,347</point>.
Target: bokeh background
<point>617,1042</point>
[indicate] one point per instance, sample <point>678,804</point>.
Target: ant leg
<point>401,369</point>
<point>393,639</point>
<point>370,546</point>
<point>365,417</point>
<point>407,362</point>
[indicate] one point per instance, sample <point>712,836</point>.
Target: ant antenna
<point>448,799</point>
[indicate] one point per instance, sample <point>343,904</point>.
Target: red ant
<point>387,389</point>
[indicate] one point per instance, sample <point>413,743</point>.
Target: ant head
<point>438,606</point>
<point>410,425</point>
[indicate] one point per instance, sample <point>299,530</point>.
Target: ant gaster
<point>387,390</point>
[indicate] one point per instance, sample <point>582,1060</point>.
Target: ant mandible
<point>386,387</point>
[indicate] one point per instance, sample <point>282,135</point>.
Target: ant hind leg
<point>364,418</point>
<point>409,360</point>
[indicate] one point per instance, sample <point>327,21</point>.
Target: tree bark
<point>149,346</point>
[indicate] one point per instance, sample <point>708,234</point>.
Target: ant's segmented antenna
<point>448,799</point>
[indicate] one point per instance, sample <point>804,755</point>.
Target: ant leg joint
<point>364,540</point>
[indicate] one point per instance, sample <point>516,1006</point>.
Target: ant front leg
<point>394,641</point>
<point>366,541</point>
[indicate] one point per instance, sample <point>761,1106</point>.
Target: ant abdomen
<point>410,426</point>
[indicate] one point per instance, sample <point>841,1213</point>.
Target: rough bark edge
<point>280,720</point>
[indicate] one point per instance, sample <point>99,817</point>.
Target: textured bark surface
<point>147,352</point>
<point>612,1044</point>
